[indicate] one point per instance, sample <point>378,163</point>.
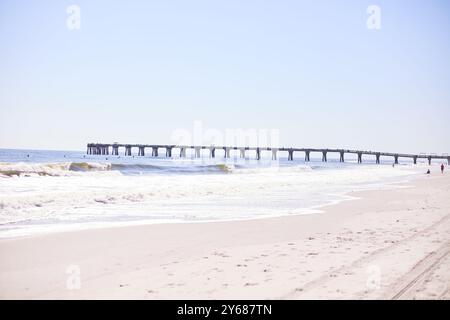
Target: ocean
<point>53,191</point>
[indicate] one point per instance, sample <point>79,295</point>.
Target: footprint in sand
<point>250,284</point>
<point>333,275</point>
<point>220,254</point>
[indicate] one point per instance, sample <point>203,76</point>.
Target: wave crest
<point>50,169</point>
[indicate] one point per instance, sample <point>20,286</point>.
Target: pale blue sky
<point>138,70</point>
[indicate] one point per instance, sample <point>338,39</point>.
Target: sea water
<point>48,191</point>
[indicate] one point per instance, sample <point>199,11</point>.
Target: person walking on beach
<point>442,168</point>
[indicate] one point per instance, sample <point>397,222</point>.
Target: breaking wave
<point>23,169</point>
<point>50,169</point>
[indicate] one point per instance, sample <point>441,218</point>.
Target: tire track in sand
<point>359,263</point>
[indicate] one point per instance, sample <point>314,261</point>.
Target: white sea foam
<point>103,193</point>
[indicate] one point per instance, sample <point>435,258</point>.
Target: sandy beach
<point>387,244</point>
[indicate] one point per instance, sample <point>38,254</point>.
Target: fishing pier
<point>113,149</point>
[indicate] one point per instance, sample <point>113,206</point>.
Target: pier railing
<point>113,149</point>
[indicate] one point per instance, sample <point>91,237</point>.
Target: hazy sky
<point>138,70</point>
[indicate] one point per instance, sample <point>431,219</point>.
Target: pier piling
<point>128,150</point>
<point>274,154</point>
<point>242,152</point>
<point>307,158</point>
<point>226,152</point>
<point>115,150</point>
<point>212,152</point>
<point>291,154</point>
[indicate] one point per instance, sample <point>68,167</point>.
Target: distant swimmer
<point>28,155</point>
<point>442,168</point>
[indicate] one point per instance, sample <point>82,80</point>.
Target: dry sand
<point>389,244</point>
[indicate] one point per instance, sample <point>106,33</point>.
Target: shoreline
<point>345,196</point>
<point>369,247</point>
